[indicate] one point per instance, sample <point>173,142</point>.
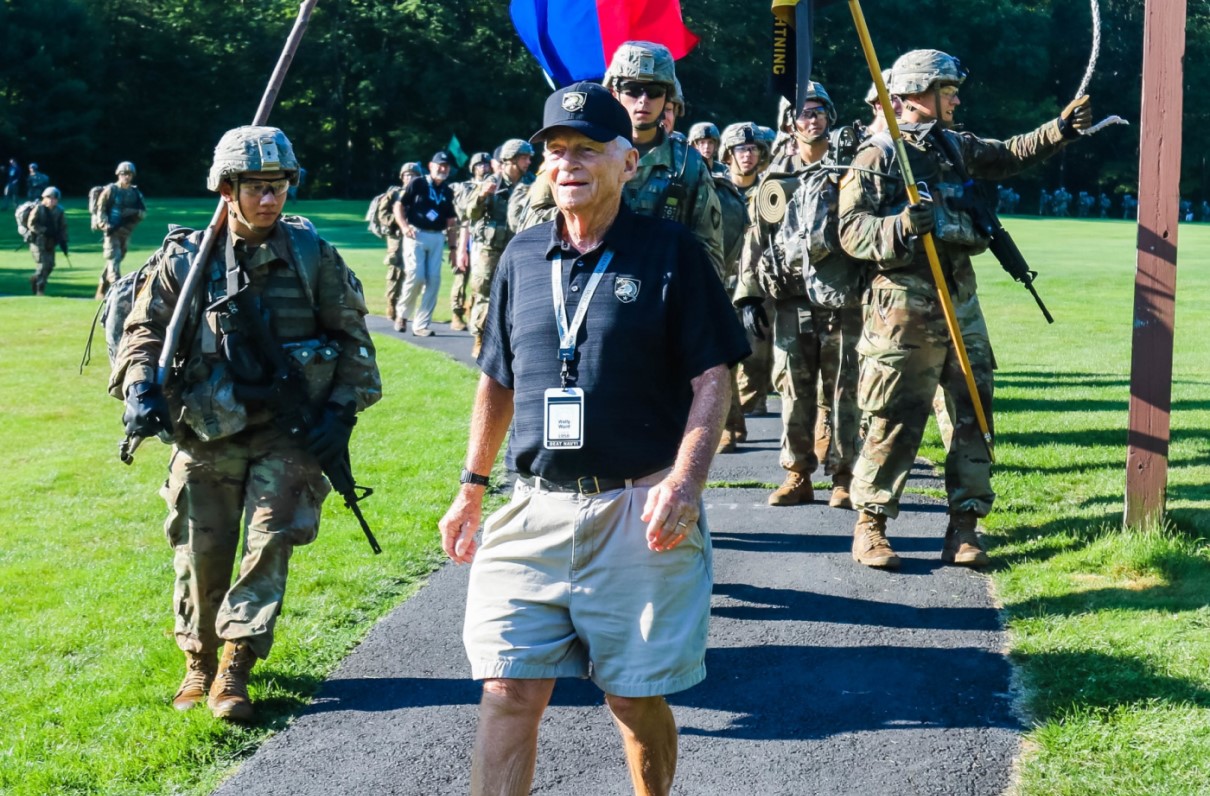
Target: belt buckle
<point>596,486</point>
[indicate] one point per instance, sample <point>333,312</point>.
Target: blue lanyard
<point>568,333</point>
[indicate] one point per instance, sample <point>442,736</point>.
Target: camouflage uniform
<point>394,256</point>
<point>35,183</point>
<point>49,227</point>
<point>459,300</point>
<point>123,209</point>
<point>488,214</point>
<point>905,349</point>
<point>231,463</point>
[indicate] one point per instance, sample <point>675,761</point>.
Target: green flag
<point>455,149</point>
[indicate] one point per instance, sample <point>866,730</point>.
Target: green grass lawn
<point>1110,627</point>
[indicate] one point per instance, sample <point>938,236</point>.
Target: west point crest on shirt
<point>626,289</point>
<point>573,101</point>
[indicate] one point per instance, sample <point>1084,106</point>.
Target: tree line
<point>87,83</point>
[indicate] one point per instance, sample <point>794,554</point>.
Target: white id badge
<point>563,418</point>
<point>431,215</point>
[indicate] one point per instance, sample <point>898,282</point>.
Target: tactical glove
<point>756,322</point>
<point>917,219</point>
<point>147,412</point>
<point>330,437</point>
<point>1076,117</point>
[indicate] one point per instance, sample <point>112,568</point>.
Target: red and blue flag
<point>574,39</point>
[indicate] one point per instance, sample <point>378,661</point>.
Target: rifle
<point>977,204</point>
<point>182,312</point>
<point>286,396</point>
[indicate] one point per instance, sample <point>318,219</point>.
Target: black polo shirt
<point>421,197</point>
<point>659,318</point>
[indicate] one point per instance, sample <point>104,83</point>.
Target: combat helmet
<point>51,192</point>
<point>676,98</point>
<point>916,71</point>
<point>125,167</point>
<point>641,61</point>
<point>412,167</point>
<point>703,130</point>
<point>251,148</point>
<point>816,91</point>
<point>871,96</point>
<point>477,159</point>
<point>514,147</point>
<point>743,133</point>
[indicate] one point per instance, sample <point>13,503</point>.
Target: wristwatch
<point>468,477</point>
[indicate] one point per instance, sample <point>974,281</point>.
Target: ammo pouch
<point>316,361</point>
<point>954,225</point>
<point>211,409</point>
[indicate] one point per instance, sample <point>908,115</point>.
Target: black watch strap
<point>468,477</point>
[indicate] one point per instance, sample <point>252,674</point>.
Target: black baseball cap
<point>587,108</point>
<point>441,157</point>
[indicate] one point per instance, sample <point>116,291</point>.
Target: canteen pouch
<point>316,361</point>
<point>211,409</point>
<point>953,223</point>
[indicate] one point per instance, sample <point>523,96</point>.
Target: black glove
<point>756,322</point>
<point>1076,117</point>
<point>917,219</point>
<point>330,437</point>
<point>147,412</point>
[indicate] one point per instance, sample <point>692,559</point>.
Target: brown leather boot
<point>199,675</point>
<point>229,692</point>
<point>823,437</point>
<point>457,324</point>
<point>870,545</point>
<point>726,443</point>
<point>840,491</point>
<point>962,545</point>
<point>794,490</point>
<point>401,324</point>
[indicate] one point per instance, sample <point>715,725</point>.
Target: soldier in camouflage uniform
<point>487,209</point>
<point>234,462</point>
<point>905,348</point>
<point>673,181</point>
<point>704,137</point>
<point>35,183</point>
<point>394,259</point>
<point>807,320</point>
<point>121,207</point>
<point>48,229</point>
<point>460,260</point>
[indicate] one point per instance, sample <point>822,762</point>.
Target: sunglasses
<point>257,188</point>
<point>813,113</point>
<point>636,90</point>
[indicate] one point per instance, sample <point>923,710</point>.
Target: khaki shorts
<point>564,585</point>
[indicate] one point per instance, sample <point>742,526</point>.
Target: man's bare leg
<point>649,738</point>
<point>506,743</point>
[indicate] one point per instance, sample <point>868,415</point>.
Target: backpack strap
<point>304,243</point>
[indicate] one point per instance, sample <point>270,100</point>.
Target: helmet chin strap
<point>644,127</point>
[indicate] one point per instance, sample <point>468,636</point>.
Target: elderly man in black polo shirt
<point>426,216</point>
<point>607,347</point>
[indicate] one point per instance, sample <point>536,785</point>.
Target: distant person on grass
<point>48,228</point>
<point>12,183</point>
<point>121,208</point>
<point>429,222</point>
<point>600,564</point>
<point>238,458</point>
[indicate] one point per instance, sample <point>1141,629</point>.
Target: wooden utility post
<point>1155,275</point>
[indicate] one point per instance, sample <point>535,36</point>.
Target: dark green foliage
<point>86,83</point>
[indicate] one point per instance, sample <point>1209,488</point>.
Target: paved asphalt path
<point>824,677</point>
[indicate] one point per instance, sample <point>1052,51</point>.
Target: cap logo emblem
<point>573,101</point>
<point>626,289</point>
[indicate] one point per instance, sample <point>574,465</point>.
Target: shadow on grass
<point>14,281</point>
<point>1062,682</point>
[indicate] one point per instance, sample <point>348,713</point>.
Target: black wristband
<point>468,477</point>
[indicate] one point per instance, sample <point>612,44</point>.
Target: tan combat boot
<point>229,692</point>
<point>962,545</point>
<point>840,491</point>
<point>401,323</point>
<point>457,324</point>
<point>823,437</point>
<point>391,313</point>
<point>199,674</point>
<point>794,490</point>
<point>477,346</point>
<point>870,545</point>
<point>726,443</point>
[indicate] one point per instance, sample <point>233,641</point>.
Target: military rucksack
<point>25,221</point>
<point>380,216</point>
<point>97,219</point>
<point>809,237</point>
<point>735,219</point>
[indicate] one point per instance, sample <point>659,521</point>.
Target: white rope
<point>1096,50</point>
